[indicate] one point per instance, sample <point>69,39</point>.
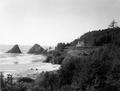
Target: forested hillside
<point>100,37</point>
<point>93,67</point>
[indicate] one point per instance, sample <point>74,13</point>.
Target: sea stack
<point>15,49</point>
<point>36,49</point>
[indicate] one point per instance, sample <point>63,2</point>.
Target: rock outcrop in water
<point>14,49</point>
<point>36,49</point>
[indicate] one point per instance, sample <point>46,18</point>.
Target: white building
<point>80,44</point>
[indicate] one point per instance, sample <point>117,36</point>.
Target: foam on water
<point>7,58</point>
<point>21,64</point>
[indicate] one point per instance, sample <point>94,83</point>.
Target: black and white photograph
<point>59,45</point>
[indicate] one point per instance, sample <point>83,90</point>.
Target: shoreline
<point>25,70</point>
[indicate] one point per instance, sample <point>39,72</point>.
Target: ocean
<point>21,64</point>
<point>9,58</point>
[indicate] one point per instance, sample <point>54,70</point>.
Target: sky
<point>48,22</point>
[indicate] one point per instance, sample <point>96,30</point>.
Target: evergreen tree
<point>113,24</point>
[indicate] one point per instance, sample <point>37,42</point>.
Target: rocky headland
<point>14,49</point>
<point>36,49</point>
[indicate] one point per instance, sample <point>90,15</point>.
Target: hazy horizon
<point>48,22</point>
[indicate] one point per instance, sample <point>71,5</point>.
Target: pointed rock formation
<point>36,49</point>
<point>15,49</point>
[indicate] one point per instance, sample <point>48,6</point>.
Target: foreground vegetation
<point>99,71</point>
